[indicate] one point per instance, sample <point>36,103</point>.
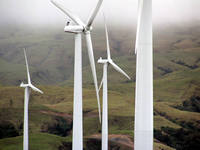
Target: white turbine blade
<point>101,84</point>
<point>67,12</point>
<point>107,40</point>
<point>118,69</point>
<point>92,64</point>
<point>94,13</point>
<point>27,68</point>
<point>140,7</point>
<point>35,89</point>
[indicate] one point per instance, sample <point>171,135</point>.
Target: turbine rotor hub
<point>87,29</point>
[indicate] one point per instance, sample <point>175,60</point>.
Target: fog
<point>119,12</point>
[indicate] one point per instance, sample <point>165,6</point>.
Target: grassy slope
<point>59,99</point>
<point>37,141</point>
<point>42,141</point>
<point>51,61</point>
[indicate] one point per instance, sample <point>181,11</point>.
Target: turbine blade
<point>92,64</point>
<point>117,68</point>
<point>101,84</point>
<point>27,68</point>
<point>67,12</point>
<point>140,7</point>
<point>35,89</point>
<point>94,13</point>
<point>107,39</point>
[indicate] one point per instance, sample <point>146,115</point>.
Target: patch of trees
<point>59,126</point>
<point>180,139</point>
<point>95,144</point>
<point>193,104</point>
<point>7,130</point>
<point>65,146</point>
<point>92,144</point>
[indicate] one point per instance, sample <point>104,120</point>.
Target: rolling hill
<point>50,55</point>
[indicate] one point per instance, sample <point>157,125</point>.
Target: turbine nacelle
<point>74,28</point>
<point>77,29</point>
<point>24,85</point>
<point>103,61</point>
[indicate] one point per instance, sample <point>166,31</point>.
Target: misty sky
<point>117,11</point>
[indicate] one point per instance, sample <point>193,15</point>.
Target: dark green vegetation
<point>193,104</point>
<point>50,54</point>
<point>181,139</point>
<point>7,130</point>
<point>60,126</point>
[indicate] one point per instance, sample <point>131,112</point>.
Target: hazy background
<point>38,26</point>
<point>118,12</point>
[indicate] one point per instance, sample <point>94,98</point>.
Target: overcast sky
<point>117,11</point>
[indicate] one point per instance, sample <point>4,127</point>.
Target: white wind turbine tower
<point>77,27</point>
<point>105,63</point>
<point>26,101</point>
<point>143,139</point>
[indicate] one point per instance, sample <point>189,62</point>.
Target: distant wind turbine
<point>143,139</point>
<point>26,102</point>
<point>105,63</point>
<point>78,27</point>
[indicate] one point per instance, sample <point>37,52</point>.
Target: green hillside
<point>50,55</point>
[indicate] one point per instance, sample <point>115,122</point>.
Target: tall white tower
<point>143,139</point>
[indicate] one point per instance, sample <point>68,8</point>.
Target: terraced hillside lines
<point>179,117</point>
<point>177,86</point>
<point>162,121</point>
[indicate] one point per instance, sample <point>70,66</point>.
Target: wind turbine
<point>105,63</point>
<point>26,101</point>
<point>77,27</point>
<point>143,139</point>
